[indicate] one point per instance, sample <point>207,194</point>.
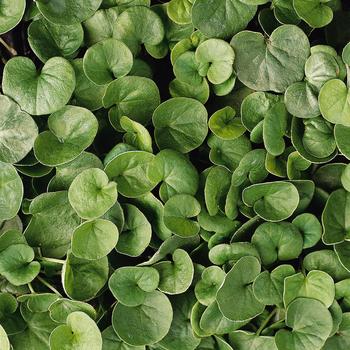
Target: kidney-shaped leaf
<point>135,172</point>
<point>68,11</point>
<point>11,191</point>
<point>95,239</point>
<point>178,211</point>
<point>18,131</point>
<point>221,18</point>
<point>238,285</point>
<point>91,194</point>
<point>107,60</point>
<point>316,285</point>
<point>39,93</point>
<point>271,63</point>
<point>130,285</point>
<point>181,124</point>
<point>138,25</point>
<point>79,332</point>
<point>130,325</point>
<point>72,130</point>
<point>335,220</point>
<point>272,201</point>
<point>175,277</point>
<point>311,325</point>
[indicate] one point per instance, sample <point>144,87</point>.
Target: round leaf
<point>107,60</point>
<point>95,239</point>
<point>68,11</point>
<point>80,332</point>
<point>129,324</point>
<point>72,130</point>
<point>91,194</point>
<point>39,93</point>
<point>181,124</point>
<point>11,191</point>
<point>273,63</point>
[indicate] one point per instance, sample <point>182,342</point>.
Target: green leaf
<point>206,288</point>
<point>179,175</point>
<point>243,340</point>
<point>311,325</point>
<point>4,341</point>
<point>91,194</point>
<point>221,18</point>
<point>111,341</point>
<point>39,93</point>
<point>134,97</point>
<point>66,173</point>
<point>335,219</point>
<point>79,332</point>
<point>107,60</point>
<point>83,279</point>
<point>327,261</point>
<point>48,40</point>
<point>11,191</point>
<point>341,339</point>
<point>135,172</point>
<point>62,308</point>
<point>310,228</point>
<point>175,277</point>
<point>180,335</point>
<point>138,25</point>
<point>178,211</point>
<point>341,135</point>
<point>272,201</point>
<point>215,58</point>
<point>224,124</point>
<point>17,265</point>
<point>136,234</point>
<point>95,239</point>
<point>334,102</point>
<point>228,153</point>
<point>100,25</point>
<point>180,124</point>
<point>268,287</point>
<point>316,13</point>
<point>277,241</point>
<point>273,63</point>
<point>129,325</point>
<point>72,130</point>
<point>52,223</point>
<point>301,100</point>
<point>179,11</point>
<point>68,12</point>
<point>238,286</point>
<point>316,285</point>
<point>11,13</point>
<point>131,285</point>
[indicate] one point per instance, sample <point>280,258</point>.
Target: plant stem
<point>10,49</point>
<point>48,285</point>
<point>266,321</point>
<point>57,261</point>
<point>31,288</point>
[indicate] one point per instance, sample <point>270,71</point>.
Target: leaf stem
<point>10,49</point>
<point>48,285</point>
<point>266,321</point>
<point>57,261</point>
<point>32,291</point>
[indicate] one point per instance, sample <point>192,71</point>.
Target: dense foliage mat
<point>175,175</point>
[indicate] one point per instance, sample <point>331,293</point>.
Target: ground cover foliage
<point>175,175</point>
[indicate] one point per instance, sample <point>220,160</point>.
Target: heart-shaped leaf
<point>39,93</point>
<point>273,63</point>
